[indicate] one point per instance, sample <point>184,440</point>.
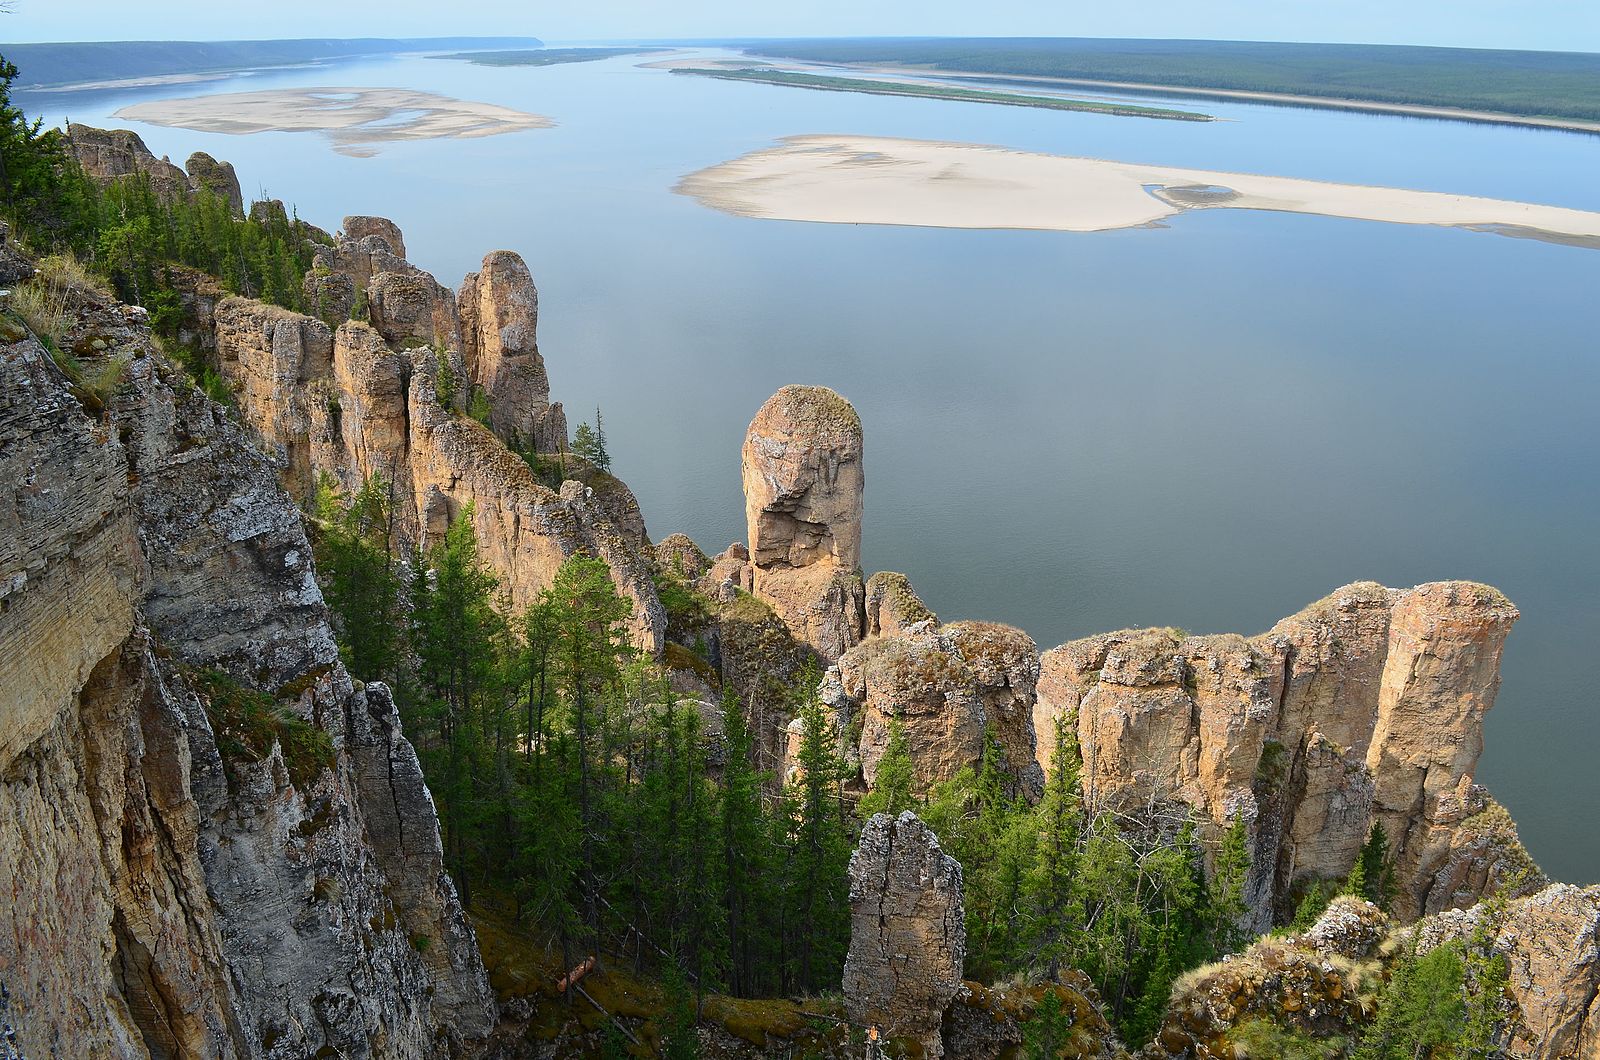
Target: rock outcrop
<point>1312,983</point>
<point>907,932</point>
<point>207,173</point>
<point>178,884</point>
<point>499,311</point>
<point>366,399</point>
<point>106,154</point>
<point>1551,943</point>
<point>1365,708</point>
<point>893,607</point>
<point>946,688</point>
<point>803,495</point>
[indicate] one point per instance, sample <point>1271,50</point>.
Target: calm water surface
<point>1206,425</point>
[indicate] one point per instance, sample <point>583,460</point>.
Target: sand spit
<point>932,184</point>
<point>355,119</point>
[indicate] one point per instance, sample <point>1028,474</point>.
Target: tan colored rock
<point>106,154</point>
<point>499,311</point>
<point>359,227</point>
<point>1365,707</point>
<point>730,572</point>
<point>803,490</point>
<point>411,308</point>
<point>944,687</point>
<point>894,608</point>
<point>217,177</point>
<point>1439,680</point>
<point>907,932</point>
<point>269,356</point>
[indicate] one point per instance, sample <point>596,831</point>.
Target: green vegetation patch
<point>961,95</point>
<point>247,723</point>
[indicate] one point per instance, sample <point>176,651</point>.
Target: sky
<point>1565,25</point>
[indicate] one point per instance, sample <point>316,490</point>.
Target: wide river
<point>1206,425</point>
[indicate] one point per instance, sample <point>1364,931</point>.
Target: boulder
<point>907,932</point>
<point>359,227</point>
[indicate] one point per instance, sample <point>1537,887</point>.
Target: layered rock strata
<point>1365,708</point>
<point>907,932</point>
<point>179,886</point>
<point>803,493</point>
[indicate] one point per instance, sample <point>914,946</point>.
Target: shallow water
<point>1205,425</point>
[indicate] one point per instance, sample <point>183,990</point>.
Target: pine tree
<point>1372,876</point>
<point>892,786</point>
<point>1421,1009</point>
<point>748,861</point>
<point>1051,887</point>
<point>1225,904</point>
<point>817,902</point>
<point>358,575</point>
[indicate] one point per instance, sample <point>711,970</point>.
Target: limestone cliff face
<point>803,495</point>
<point>177,887</point>
<point>363,399</point>
<point>1366,707</point>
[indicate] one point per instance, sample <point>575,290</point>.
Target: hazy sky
<point>1569,25</point>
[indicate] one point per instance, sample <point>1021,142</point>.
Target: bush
<point>246,724</point>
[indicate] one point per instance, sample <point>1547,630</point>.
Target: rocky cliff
<point>211,841</point>
<point>1365,708</point>
<point>388,394</point>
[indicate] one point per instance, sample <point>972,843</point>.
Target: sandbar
<point>935,184</point>
<point>355,119</point>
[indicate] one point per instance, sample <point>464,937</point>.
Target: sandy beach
<point>355,119</point>
<point>933,184</point>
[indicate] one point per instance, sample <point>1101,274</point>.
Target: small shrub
<point>444,384</point>
<point>479,408</point>
<point>45,311</point>
<point>247,723</point>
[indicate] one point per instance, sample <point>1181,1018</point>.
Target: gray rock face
<point>170,892</point>
<point>217,177</point>
<point>908,936</point>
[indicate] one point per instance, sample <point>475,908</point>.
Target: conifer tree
<point>892,786</point>
<point>816,905</point>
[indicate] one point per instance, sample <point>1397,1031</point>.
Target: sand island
<point>355,119</point>
<point>933,184</point>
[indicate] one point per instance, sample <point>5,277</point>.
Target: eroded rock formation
<point>366,398</point>
<point>908,935</point>
<point>1366,707</point>
<point>946,688</point>
<point>499,311</point>
<point>175,886</point>
<point>106,154</point>
<point>803,495</point>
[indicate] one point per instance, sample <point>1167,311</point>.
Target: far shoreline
<point>1357,106</point>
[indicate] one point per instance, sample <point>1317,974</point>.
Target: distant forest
<point>1530,84</point>
<point>49,65</point>
<point>546,56</point>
